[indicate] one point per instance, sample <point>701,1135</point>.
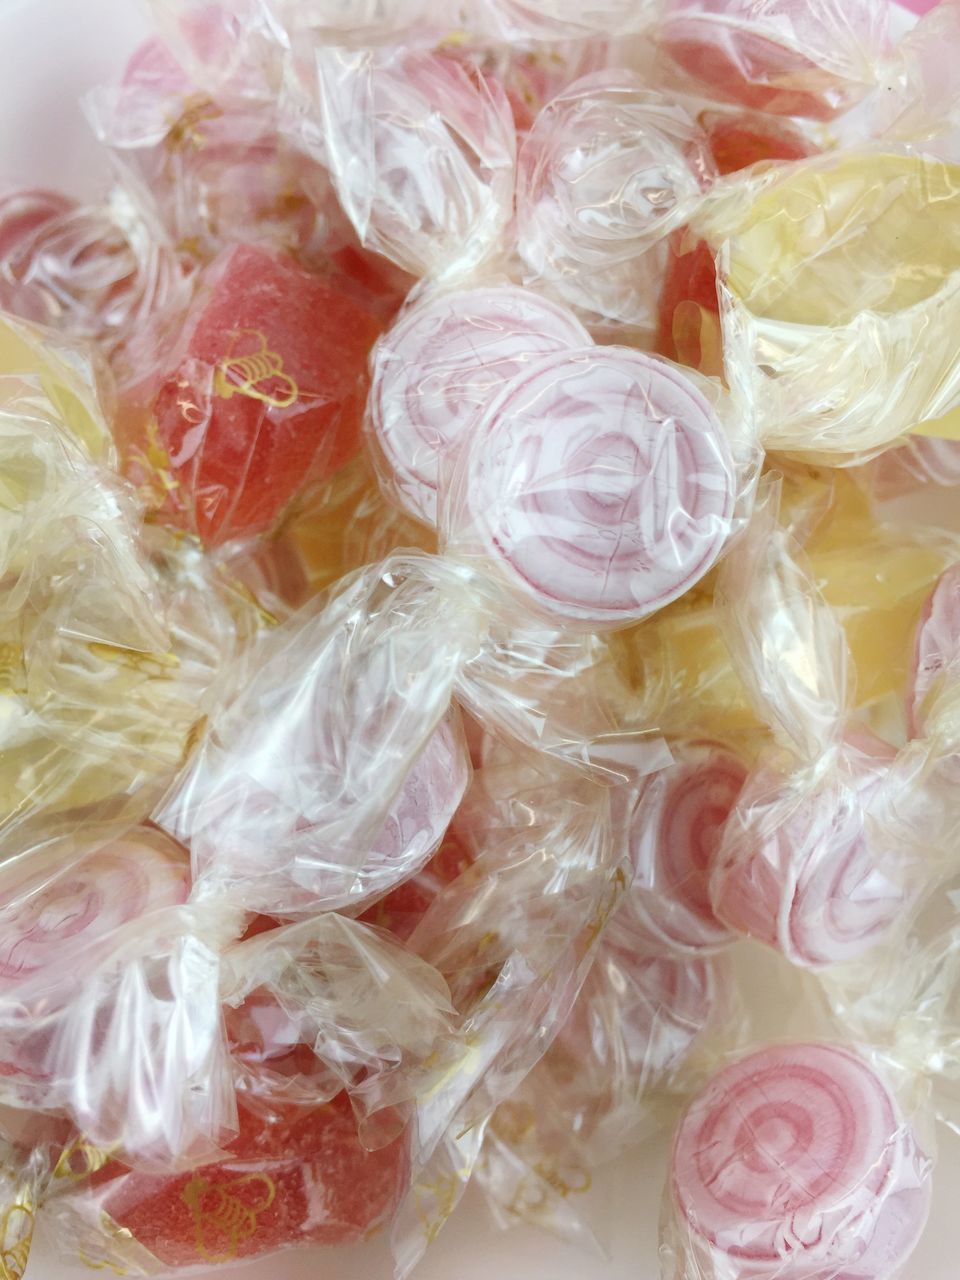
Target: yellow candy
<point>826,239</point>
<point>841,284</point>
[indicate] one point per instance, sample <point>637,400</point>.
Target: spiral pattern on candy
<point>795,1164</point>
<point>674,835</point>
<point>602,482</point>
<point>441,364</point>
<point>103,892</point>
<point>798,869</point>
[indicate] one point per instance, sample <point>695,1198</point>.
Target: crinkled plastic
<point>422,154</point>
<point>794,1163</point>
<point>92,272</point>
<point>331,1004</point>
<point>827,847</point>
<point>604,1083</point>
<point>608,171</point>
<point>330,777</point>
<point>257,395</point>
<point>789,57</point>
<point>597,527</point>
<point>514,936</point>
<point>106,660</point>
<point>920,101</point>
<point>847,263</point>
<point>109,999</point>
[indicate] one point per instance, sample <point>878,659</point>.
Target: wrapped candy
<point>106,659</point>
<point>607,172</point>
<point>801,292</point>
<point>795,1161</point>
<point>421,154</point>
<point>259,395</point>
<point>596,529</point>
<point>689,317</point>
<point>673,827</point>
<point>117,1023</point>
<point>821,859</point>
<point>299,1177</point>
<point>440,365</point>
<point>93,272</point>
<point>788,57</point>
<point>329,758</point>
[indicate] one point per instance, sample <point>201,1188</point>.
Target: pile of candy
<point>452,637</point>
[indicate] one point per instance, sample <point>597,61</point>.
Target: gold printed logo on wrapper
<point>16,1236</point>
<point>222,1220</point>
<point>257,374</point>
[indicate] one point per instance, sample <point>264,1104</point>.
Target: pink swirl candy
<point>937,645</point>
<point>45,921</point>
<point>809,58</point>
<point>795,1164</point>
<point>54,925</point>
<point>601,481</point>
<point>673,834</point>
<point>441,364</point>
<point>798,869</point>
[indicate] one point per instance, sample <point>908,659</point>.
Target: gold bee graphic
<point>255,372</point>
<point>222,1221</point>
<point>16,1235</point>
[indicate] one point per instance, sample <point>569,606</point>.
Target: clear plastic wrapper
<point>107,659</point>
<point>829,845</point>
<point>597,530</point>
<point>330,1004</point>
<point>92,272</point>
<point>920,101</point>
<point>514,936</point>
<point>608,171</point>
<point>795,1162</point>
<point>110,1002</point>
<point>843,262</point>
<point>604,1084</point>
<point>789,57</point>
<point>257,395</point>
<point>333,757</point>
<point>422,154</point>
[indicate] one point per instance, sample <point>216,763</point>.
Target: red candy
<point>261,396</point>
<point>301,1178</point>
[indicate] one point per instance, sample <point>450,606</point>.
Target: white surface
<point>53,51</point>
